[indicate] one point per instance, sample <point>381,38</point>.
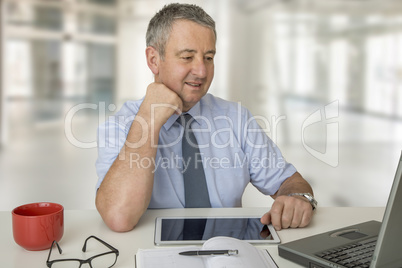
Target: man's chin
<point>188,103</point>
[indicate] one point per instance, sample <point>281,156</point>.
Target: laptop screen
<point>388,252</point>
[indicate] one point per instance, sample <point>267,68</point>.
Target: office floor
<point>41,164</point>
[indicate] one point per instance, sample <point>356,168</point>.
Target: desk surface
<point>79,224</point>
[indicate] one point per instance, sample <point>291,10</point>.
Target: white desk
<point>79,224</point>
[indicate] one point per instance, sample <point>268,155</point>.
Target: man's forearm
<point>294,184</point>
<point>126,190</point>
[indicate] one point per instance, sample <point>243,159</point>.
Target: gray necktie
<point>195,185</point>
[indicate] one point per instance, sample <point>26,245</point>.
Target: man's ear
<point>153,59</point>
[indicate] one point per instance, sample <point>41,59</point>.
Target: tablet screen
<point>201,229</point>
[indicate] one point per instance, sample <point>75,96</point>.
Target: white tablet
<point>197,230</point>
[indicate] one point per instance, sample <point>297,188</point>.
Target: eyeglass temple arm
<point>84,248</point>
<point>51,248</point>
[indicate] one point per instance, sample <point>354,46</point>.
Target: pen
<point>227,252</point>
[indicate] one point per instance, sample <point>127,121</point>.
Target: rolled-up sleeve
<point>267,166</point>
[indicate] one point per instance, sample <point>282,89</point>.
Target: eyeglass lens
<point>103,261</point>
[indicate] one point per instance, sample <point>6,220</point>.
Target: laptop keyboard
<point>356,255</point>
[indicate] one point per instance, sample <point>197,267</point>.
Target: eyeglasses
<point>104,260</point>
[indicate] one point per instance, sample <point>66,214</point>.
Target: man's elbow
<point>120,224</point>
<point>116,220</point>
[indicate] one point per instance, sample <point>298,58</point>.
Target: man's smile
<point>193,84</point>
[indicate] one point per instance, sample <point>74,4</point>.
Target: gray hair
<point>161,24</point>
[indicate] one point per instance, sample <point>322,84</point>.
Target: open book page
<point>249,256</point>
<point>167,258</point>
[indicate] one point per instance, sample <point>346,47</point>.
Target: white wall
<point>40,163</point>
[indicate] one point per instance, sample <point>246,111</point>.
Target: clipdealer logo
<point>329,116</point>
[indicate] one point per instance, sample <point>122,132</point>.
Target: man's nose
<point>199,68</point>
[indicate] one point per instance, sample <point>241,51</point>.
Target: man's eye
<point>187,58</point>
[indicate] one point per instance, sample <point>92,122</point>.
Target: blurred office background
<point>324,77</point>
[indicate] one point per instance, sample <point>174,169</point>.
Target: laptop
<point>369,244</point>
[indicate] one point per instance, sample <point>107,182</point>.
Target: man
<point>140,164</point>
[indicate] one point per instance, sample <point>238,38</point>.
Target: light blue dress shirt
<point>233,147</point>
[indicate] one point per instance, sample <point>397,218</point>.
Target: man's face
<point>188,65</point>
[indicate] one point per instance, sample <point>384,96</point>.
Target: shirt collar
<point>195,112</point>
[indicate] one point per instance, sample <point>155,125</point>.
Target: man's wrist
<point>309,197</point>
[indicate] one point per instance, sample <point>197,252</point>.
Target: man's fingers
<point>307,215</point>
<point>297,218</point>
<point>288,212</point>
<point>288,217</point>
<point>303,214</point>
<point>276,215</point>
<point>266,218</point>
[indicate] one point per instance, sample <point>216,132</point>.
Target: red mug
<point>37,225</point>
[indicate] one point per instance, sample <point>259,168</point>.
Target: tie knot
<point>185,120</point>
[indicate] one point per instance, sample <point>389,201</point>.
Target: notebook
<point>169,257</point>
<point>379,242</point>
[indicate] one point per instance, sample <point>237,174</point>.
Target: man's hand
<point>160,103</point>
<point>288,212</point>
